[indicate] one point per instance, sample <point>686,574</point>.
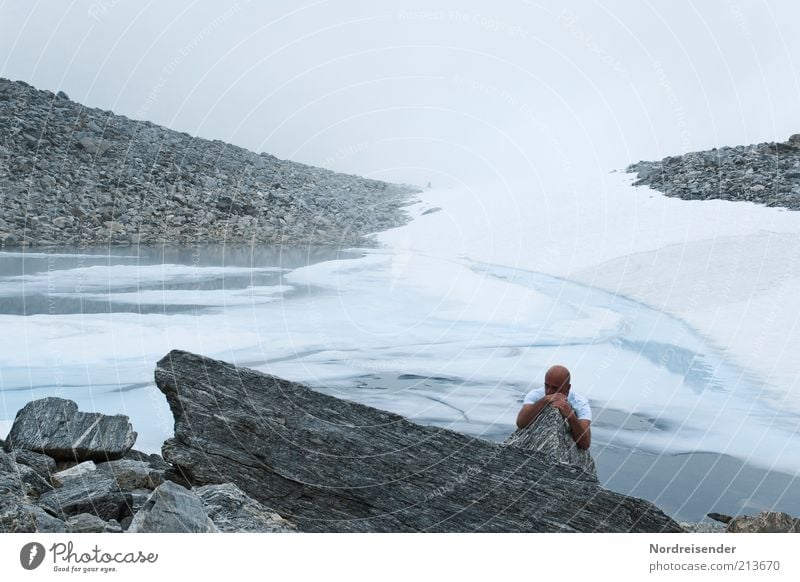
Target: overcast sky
<point>417,91</point>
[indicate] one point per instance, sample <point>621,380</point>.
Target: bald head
<point>557,379</point>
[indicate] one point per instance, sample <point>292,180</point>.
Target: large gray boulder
<point>172,509</point>
<point>54,427</point>
<point>332,465</point>
<point>549,434</point>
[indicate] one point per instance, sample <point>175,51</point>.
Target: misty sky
<point>444,91</point>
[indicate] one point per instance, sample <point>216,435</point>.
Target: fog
<point>447,92</point>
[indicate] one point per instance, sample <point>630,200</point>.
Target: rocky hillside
<point>75,175</point>
<point>766,173</point>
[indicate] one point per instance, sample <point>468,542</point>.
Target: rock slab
<point>98,496</point>
<point>54,427</point>
<point>330,465</point>
<point>550,435</point>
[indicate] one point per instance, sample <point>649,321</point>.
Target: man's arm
<point>529,412</point>
<point>580,431</point>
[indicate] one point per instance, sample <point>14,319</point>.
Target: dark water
<point>18,296</point>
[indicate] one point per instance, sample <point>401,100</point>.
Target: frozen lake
<point>379,326</point>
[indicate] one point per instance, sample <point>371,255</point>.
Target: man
<point>556,393</point>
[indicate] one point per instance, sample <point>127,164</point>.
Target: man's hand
<point>562,405</point>
<point>529,412</point>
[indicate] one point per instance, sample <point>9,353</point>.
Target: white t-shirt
<point>579,403</point>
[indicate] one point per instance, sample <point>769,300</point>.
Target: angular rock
<point>99,496</point>
<point>94,145</point>
<point>139,497</point>
<point>764,522</point>
<point>172,509</point>
<point>10,480</point>
<point>8,239</point>
<point>233,511</point>
<point>153,460</point>
<point>43,465</point>
<point>721,517</point>
<point>88,523</point>
<point>20,481</point>
<point>113,227</point>
<point>549,434</point>
<point>22,517</point>
<point>130,474</point>
<point>79,471</point>
<point>333,465</point>
<point>54,427</point>
<point>35,484</point>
